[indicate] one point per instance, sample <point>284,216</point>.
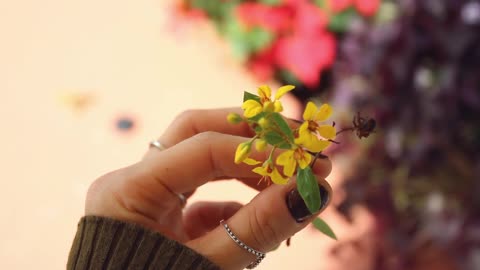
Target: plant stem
<point>345,129</point>
<point>317,156</point>
<point>271,153</point>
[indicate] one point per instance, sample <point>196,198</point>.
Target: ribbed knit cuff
<point>104,243</point>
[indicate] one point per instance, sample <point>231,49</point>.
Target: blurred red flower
<point>304,50</point>
<point>306,56</point>
<point>263,64</point>
<point>309,19</point>
<point>296,33</point>
<point>339,5</point>
<point>269,17</point>
<point>367,7</point>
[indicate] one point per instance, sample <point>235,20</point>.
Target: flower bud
<point>234,118</point>
<point>242,152</point>
<point>260,145</point>
<point>264,123</point>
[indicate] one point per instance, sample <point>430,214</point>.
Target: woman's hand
<point>200,146</point>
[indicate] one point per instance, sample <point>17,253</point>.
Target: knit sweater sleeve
<point>104,243</point>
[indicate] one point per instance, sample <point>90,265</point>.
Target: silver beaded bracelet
<point>260,255</point>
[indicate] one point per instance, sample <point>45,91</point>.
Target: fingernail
<point>297,207</point>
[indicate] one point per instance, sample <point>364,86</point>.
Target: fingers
<point>203,217</point>
<point>204,157</point>
<point>274,215</point>
<point>192,122</point>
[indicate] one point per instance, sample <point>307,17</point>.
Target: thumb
<point>272,216</point>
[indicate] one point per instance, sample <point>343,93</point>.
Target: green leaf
<point>282,124</point>
<point>235,33</point>
<point>245,41</point>
<point>322,226</point>
<point>320,3</point>
<point>258,39</point>
<point>288,77</point>
<point>248,96</point>
<point>215,9</point>
<point>340,22</point>
<point>257,117</point>
<point>271,2</point>
<point>276,139</point>
<point>307,186</point>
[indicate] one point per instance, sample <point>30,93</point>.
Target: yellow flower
<point>252,107</point>
<point>242,152</point>
<point>290,158</point>
<point>310,130</point>
<point>267,171</point>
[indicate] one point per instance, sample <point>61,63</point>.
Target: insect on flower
<point>363,126</point>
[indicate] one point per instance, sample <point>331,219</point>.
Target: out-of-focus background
<point>86,84</point>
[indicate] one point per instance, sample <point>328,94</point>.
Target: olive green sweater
<point>103,243</point>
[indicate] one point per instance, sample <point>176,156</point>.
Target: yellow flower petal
<point>260,170</point>
<point>264,92</point>
<point>260,145</point>
<point>251,161</point>
<point>251,108</point>
<point>305,160</point>
<point>277,178</point>
<point>302,132</point>
<point>283,90</point>
<point>324,112</point>
<point>277,105</point>
<point>301,138</point>
<point>289,169</point>
<point>268,106</point>
<point>242,152</point>
<point>288,162</point>
<point>303,127</point>
<point>310,111</point>
<point>317,145</point>
<point>306,137</point>
<point>327,132</point>
<point>285,157</point>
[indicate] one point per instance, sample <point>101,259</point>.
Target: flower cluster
<point>299,142</point>
<point>292,39</point>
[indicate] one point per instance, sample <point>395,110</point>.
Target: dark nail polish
<point>297,207</point>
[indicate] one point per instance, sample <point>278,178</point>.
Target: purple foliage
<point>420,77</point>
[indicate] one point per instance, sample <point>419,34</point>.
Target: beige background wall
<point>126,56</point>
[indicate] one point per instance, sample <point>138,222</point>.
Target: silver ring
<point>260,255</point>
<point>158,145</point>
<point>181,197</point>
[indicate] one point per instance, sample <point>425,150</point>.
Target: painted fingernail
<point>297,207</point>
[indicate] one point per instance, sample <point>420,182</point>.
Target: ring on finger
<point>183,200</point>
<point>260,255</point>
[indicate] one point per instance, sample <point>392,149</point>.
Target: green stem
<point>316,156</point>
<point>271,154</point>
<point>254,138</point>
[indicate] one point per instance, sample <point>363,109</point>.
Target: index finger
<point>205,157</point>
<point>192,122</point>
